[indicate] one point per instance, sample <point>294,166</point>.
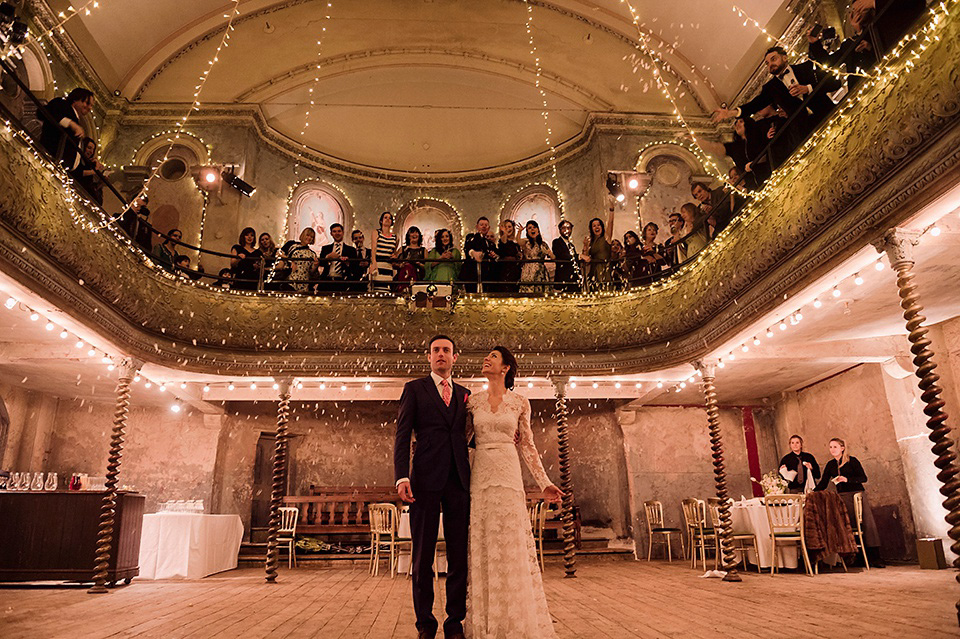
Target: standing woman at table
<point>848,476</point>
<point>801,466</point>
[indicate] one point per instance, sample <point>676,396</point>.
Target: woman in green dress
<point>443,250</point>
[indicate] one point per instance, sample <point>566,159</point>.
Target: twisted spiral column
<point>279,480</point>
<point>898,245</point>
<point>728,562</point>
<point>108,510</point>
<point>566,485</point>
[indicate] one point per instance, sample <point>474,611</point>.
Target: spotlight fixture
<point>613,186</point>
<point>231,178</point>
<point>207,177</point>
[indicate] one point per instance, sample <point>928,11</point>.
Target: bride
<point>506,590</point>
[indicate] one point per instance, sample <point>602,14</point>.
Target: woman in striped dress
<point>386,248</point>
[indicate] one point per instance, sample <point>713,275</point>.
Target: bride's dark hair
<point>511,361</point>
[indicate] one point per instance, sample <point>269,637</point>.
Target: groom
<point>435,409</point>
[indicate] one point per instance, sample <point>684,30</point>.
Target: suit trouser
<point>424,527</point>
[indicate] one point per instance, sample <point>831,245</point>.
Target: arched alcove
<point>317,204</point>
<point>538,202</point>
<point>430,215</point>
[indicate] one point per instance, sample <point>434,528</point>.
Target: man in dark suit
<point>434,408</point>
<point>64,119</point>
<point>479,258</point>
<point>567,275</point>
<point>789,88</point>
<point>335,257</point>
<point>360,271</point>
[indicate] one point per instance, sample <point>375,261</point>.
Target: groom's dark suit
<point>440,477</point>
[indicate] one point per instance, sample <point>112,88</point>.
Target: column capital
<point>128,367</point>
<point>708,369</point>
<point>285,384</point>
<point>898,244</point>
<point>560,384</point>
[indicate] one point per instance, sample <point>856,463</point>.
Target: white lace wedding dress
<point>506,599</point>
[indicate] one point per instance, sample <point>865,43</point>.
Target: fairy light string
<point>545,113</point>
<point>63,16</point>
<point>302,147</point>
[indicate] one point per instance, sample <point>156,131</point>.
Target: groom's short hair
<point>440,337</point>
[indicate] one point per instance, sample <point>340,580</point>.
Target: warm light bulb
<point>617,385</point>
<point>34,316</point>
<point>817,303</point>
<point>756,341</point>
<point>596,385</point>
<point>105,359</point>
<point>638,385</point>
<point>49,326</point>
<point>878,265</point>
<point>572,384</point>
<point>798,315</point>
<point>183,385</point>
<point>732,356</point>
<point>136,378</point>
<point>343,387</point>
<point>486,386</point>
<point>323,386</point>
<point>110,367</point>
<point>769,333</point>
<point>300,385</point>
<point>276,386</point>
<point>10,303</point>
<point>175,407</point>
<point>162,387</point>
<point>857,279</point>
<point>745,348</point>
<point>253,386</point>
<point>230,386</point>
<point>621,197</point>
<point>64,334</point>
<point>835,292</point>
<point>783,326</point>
<point>147,385</point>
<point>529,384</point>
<point>659,384</point>
<point>206,388</point>
<point>720,364</point>
<point>935,231</point>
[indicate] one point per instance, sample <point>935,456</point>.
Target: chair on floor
<point>654,512</point>
<point>538,520</point>
<point>858,533</point>
<point>737,538</point>
<point>384,520</point>
<point>287,534</point>
<point>699,535</point>
<point>785,516</point>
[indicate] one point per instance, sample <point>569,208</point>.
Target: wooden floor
<point>608,599</point>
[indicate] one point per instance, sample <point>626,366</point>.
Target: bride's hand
<point>552,494</point>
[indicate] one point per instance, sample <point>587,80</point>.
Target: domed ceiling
<point>427,85</point>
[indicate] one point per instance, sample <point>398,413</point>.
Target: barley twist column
<point>566,485</point>
<point>728,562</point>
<point>898,245</point>
<point>279,479</point>
<point>108,510</point>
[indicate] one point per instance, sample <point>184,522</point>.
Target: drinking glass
<point>37,483</point>
<point>51,483</point>
<point>14,482</point>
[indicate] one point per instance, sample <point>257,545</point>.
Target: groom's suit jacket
<point>441,436</point>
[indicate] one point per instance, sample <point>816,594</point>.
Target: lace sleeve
<point>527,448</point>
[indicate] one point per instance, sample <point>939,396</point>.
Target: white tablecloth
<point>751,517</point>
<point>403,563</point>
<point>188,545</point>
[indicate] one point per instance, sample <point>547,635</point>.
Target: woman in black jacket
<point>800,462</point>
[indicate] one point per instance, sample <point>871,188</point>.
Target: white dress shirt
<point>436,383</point>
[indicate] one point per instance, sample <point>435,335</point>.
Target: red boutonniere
<point>466,396</point>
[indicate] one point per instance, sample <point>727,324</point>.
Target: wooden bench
<point>338,510</point>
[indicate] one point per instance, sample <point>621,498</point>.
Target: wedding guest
<point>634,266</point>
<point>617,255</point>
<point>885,21</point>
<point>848,477</point>
<point>509,255</point>
<point>695,228</point>
<point>65,116</point>
<point>480,257</point>
<point>800,466</point>
<point>225,278</point>
<point>181,265</point>
<point>360,270</point>
<point>535,252</point>
<point>568,274</point>
<point>245,265</point>
<point>336,257</point>
<point>448,270</point>
<point>304,263</point>
<point>715,205</point>
<point>386,246</point>
<point>144,233</point>
<point>268,250</point>
<point>674,248</point>
<point>86,172</point>
<point>650,252</point>
<point>166,252</point>
<point>410,260</point>
<point>596,250</point>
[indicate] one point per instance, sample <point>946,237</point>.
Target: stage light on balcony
<point>935,231</point>
<point>817,303</point>
<point>64,334</point>
<point>857,279</point>
<point>879,265</point>
<point>835,292</point>
<point>10,303</point>
<point>34,316</point>
<point>49,326</point>
<point>234,181</point>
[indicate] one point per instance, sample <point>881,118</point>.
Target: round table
<point>750,516</point>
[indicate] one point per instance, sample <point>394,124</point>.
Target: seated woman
<point>799,467</point>
<point>410,261</point>
<point>846,474</point>
<point>444,250</point>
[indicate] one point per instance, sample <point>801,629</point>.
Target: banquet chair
<point>698,534</point>
<point>408,542</point>
<point>785,516</point>
<point>538,519</point>
<point>858,533</point>
<point>384,520</point>
<point>737,538</point>
<point>654,512</point>
<point>288,533</point>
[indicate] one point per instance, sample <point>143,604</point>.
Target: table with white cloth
<point>750,516</point>
<point>403,534</point>
<point>188,545</point>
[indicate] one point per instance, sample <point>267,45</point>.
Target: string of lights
<point>310,93</point>
<point>63,17</point>
<point>545,113</point>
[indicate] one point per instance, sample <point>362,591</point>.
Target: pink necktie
<point>445,393</point>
